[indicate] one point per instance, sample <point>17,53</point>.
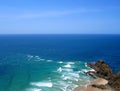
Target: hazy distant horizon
<point>64,34</point>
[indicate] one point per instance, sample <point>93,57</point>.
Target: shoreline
<point>90,87</point>
<point>105,79</point>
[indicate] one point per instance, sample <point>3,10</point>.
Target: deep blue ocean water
<point>53,62</point>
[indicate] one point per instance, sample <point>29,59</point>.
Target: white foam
<point>33,89</point>
<point>65,86</point>
<point>70,76</point>
<point>29,56</point>
<point>42,84</point>
<point>67,66</point>
<point>49,60</point>
<point>65,78</point>
<point>74,75</point>
<point>62,85</point>
<point>87,70</point>
<point>59,69</point>
<point>89,67</point>
<point>37,57</point>
<point>70,62</point>
<point>86,65</point>
<point>68,70</point>
<point>92,70</point>
<point>84,70</point>
<point>60,62</point>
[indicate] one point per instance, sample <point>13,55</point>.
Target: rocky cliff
<point>103,70</point>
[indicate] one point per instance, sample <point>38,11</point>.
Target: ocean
<point>54,62</point>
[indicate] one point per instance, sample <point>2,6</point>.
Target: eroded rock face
<point>100,86</point>
<point>103,70</point>
<point>115,82</point>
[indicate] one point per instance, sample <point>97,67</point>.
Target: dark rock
<point>100,86</point>
<point>103,70</point>
<point>115,82</point>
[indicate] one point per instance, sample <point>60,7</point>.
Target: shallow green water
<point>32,73</point>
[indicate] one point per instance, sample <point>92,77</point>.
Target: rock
<point>100,86</point>
<point>103,70</point>
<point>115,82</point>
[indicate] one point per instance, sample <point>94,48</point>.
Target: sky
<point>59,16</point>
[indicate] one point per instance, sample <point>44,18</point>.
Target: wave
<point>33,89</point>
<point>65,75</point>
<point>42,84</point>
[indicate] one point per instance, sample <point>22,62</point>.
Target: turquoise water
<point>33,73</point>
<point>53,62</point>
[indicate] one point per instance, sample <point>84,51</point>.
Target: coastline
<point>105,79</point>
<point>98,81</point>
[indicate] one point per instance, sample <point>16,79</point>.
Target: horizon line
<point>63,34</point>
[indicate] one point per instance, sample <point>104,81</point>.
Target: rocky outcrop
<point>100,86</point>
<point>103,70</point>
<point>115,82</point>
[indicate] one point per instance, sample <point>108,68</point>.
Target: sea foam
<point>60,62</point>
<point>33,89</point>
<point>67,66</point>
<point>59,69</point>
<point>42,84</point>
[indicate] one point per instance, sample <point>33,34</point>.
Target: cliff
<point>103,70</point>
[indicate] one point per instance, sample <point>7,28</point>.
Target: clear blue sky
<point>59,16</point>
